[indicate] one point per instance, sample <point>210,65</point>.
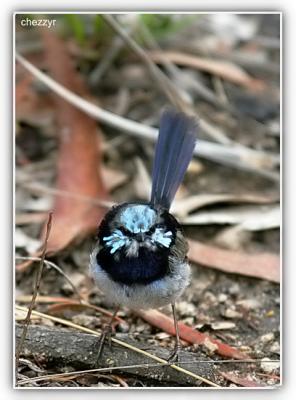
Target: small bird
<point>139,260</point>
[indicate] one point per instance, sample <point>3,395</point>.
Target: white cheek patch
<point>162,237</point>
<point>116,240</point>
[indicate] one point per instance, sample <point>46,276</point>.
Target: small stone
<point>210,298</point>
<point>222,297</point>
<point>220,325</point>
<point>234,289</point>
<point>123,327</point>
<point>188,321</point>
<point>270,313</point>
<point>249,304</point>
<point>268,366</point>
<point>186,309</point>
<point>85,320</point>
<point>245,349</point>
<point>275,348</point>
<point>212,347</point>
<point>268,337</point>
<point>162,335</point>
<point>231,313</point>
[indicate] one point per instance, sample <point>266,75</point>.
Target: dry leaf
<point>162,321</point>
<point>186,205</point>
<point>224,69</point>
<point>79,157</point>
<point>263,265</point>
<point>246,382</point>
<point>248,218</point>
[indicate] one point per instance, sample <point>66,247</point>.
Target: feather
<point>174,149</point>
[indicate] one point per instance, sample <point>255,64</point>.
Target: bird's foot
<point>106,335</point>
<point>175,355</point>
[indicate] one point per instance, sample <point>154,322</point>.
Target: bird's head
<point>129,227</point>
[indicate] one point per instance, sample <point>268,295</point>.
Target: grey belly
<point>156,294</point>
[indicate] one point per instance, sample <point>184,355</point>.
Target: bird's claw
<point>175,355</point>
<point>105,335</point>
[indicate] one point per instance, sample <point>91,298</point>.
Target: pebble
<point>210,298</point>
<point>123,327</point>
<point>212,347</point>
<point>85,320</point>
<point>268,337</point>
<point>267,366</point>
<point>275,348</point>
<point>231,313</point>
<point>186,309</point>
<point>220,325</point>
<point>188,321</point>
<point>222,297</point>
<point>234,289</point>
<point>249,304</point>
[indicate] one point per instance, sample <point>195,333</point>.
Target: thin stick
<point>36,290</point>
<point>39,187</point>
<point>237,156</point>
<point>164,82</point>
<point>126,367</point>
<point>50,264</point>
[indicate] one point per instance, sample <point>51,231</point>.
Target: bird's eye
<point>151,230</point>
<point>158,226</point>
<point>124,231</point>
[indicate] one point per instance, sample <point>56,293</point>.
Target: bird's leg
<point>106,333</point>
<point>175,354</point>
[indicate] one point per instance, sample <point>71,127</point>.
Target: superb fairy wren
<point>140,258</point>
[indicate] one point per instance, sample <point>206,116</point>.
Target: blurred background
<point>125,69</point>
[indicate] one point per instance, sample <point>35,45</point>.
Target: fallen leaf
<point>246,382</point>
<point>79,156</point>
<point>223,69</point>
<point>29,105</point>
<point>73,306</point>
<point>186,205</point>
<point>190,335</point>
<point>263,265</point>
<point>249,218</point>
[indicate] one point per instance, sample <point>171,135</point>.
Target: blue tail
<point>174,149</point>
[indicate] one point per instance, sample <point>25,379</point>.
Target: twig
<point>164,82</point>
<point>50,264</point>
<point>188,81</point>
<point>127,367</point>
<point>36,289</point>
<point>236,156</point>
<point>177,98</point>
<point>39,187</point>
<point>101,68</point>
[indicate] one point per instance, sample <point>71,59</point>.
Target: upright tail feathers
<point>174,149</point>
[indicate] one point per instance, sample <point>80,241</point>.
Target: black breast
<point>147,267</point>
